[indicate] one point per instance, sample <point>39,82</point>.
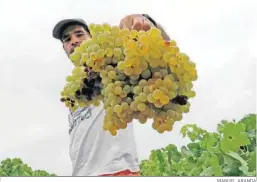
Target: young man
<point>93,151</point>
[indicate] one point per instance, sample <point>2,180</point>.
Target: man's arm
<point>164,34</point>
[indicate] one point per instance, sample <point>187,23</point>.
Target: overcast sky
<point>220,36</point>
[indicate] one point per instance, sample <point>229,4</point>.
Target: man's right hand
<point>136,22</point>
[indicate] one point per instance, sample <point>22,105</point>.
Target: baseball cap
<point>61,25</point>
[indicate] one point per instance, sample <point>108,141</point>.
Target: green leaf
<point>172,153</point>
<point>234,137</point>
<point>207,171</point>
<point>244,167</point>
<point>231,166</point>
<point>161,160</point>
<point>249,121</point>
<point>224,122</point>
<point>220,128</point>
<point>186,152</point>
<point>195,148</point>
<point>251,133</point>
<point>183,131</point>
<point>16,161</point>
<point>15,172</point>
<point>252,162</point>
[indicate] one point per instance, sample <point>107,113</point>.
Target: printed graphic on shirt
<point>78,116</point>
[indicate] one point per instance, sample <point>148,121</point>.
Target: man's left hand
<point>136,22</point>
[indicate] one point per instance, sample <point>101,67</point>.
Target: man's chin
<point>70,52</point>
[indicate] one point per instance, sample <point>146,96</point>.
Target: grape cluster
<point>83,88</point>
<point>137,75</point>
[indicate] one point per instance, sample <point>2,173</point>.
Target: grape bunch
<point>139,76</point>
<point>83,89</point>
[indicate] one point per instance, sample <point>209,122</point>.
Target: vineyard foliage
<point>16,167</point>
<point>230,151</point>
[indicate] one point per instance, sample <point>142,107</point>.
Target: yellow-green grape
<point>100,53</point>
<point>93,56</point>
<point>109,52</point>
<point>118,108</point>
<point>117,52</point>
<point>114,30</point>
<point>143,97</point>
<point>133,106</point>
<point>109,68</point>
<point>141,107</point>
<point>125,106</point>
<point>134,77</point>
<point>127,88</point>
<point>118,83</point>
<point>157,94</point>
<point>124,32</point>
<point>118,42</point>
<point>128,71</point>
<point>106,80</point>
<point>191,94</point>
<point>106,27</point>
<point>84,58</point>
<point>128,100</point>
<point>121,65</point>
<point>137,70</point>
<point>137,90</point>
<point>118,90</point>
<point>146,89</point>
<point>121,76</point>
<point>128,62</point>
<point>146,74</point>
<point>164,99</point>
<point>69,78</point>
<point>154,32</point>
<point>112,74</point>
<point>75,58</point>
<point>95,47</point>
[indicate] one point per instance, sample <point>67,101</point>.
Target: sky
<point>219,36</point>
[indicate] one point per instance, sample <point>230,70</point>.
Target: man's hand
<point>136,22</point>
<point>139,22</point>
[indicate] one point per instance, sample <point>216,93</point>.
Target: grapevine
<point>136,74</point>
<point>230,151</point>
<point>16,167</point>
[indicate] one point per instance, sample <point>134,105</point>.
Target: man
<point>93,151</point>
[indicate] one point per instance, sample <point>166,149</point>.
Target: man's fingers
<point>147,25</point>
<point>126,23</point>
<point>141,23</point>
<point>138,23</point>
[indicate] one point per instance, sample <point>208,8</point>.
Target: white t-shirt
<point>94,151</point>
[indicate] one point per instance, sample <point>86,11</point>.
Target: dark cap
<point>60,26</point>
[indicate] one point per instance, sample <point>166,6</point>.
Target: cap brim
<point>60,26</point>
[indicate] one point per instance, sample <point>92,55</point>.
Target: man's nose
<point>74,40</point>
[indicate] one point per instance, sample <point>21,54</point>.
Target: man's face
<point>72,37</point>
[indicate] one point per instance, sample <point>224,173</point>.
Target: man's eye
<point>79,35</point>
<point>66,40</point>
